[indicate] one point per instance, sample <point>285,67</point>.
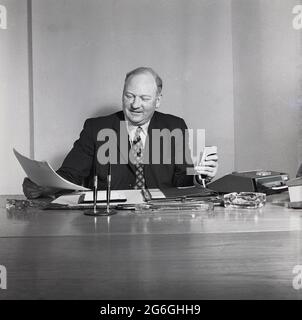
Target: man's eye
<point>146,99</point>
<point>129,96</point>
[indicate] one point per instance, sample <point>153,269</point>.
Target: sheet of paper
<point>43,174</point>
<point>68,199</point>
<point>133,197</point>
<point>156,194</point>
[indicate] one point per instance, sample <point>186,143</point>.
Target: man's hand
<point>208,167</point>
<point>33,191</point>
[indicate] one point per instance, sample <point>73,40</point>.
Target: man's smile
<point>136,111</point>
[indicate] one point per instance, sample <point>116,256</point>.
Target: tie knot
<point>138,130</point>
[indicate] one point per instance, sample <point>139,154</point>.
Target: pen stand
<point>100,212</point>
<point>104,211</point>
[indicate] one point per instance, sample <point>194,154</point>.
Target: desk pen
<point>203,181</point>
<point>95,192</point>
<point>108,187</point>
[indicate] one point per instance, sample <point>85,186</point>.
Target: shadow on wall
<point>57,159</point>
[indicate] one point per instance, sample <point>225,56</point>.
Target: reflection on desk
<point>231,254</point>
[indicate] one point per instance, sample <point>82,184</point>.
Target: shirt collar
<point>132,128</point>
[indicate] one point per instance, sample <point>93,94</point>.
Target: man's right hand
<point>32,190</point>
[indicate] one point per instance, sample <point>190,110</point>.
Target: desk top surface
<point>274,216</point>
<point>232,254</point>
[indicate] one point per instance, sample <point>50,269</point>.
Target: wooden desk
<point>233,254</point>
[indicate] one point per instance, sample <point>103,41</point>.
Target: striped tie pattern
<point>137,153</point>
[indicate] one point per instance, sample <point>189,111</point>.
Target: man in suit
<point>132,145</point>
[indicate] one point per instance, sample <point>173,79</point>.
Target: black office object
<point>192,191</point>
<point>268,182</point>
<point>186,195</point>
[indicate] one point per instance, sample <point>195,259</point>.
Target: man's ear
<point>157,102</point>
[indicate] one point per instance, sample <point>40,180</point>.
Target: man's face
<point>140,98</point>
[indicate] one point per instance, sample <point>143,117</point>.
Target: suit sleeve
<point>79,161</point>
<point>182,177</point>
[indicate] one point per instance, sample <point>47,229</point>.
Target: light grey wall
<point>231,67</point>
<point>267,56</point>
<point>14,95</point>
<point>83,49</point>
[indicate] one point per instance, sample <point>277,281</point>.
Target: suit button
<point>130,185</point>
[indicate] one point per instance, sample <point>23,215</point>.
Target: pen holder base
<point>100,212</point>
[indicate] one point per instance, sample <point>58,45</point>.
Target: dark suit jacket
<point>299,173</point>
<point>80,163</point>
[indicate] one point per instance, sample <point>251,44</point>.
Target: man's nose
<point>136,103</point>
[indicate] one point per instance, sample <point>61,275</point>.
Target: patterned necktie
<point>137,153</point>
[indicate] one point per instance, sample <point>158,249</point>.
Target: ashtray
<point>249,200</point>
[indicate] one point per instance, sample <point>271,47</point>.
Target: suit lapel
<point>122,138</point>
<point>123,143</point>
<point>154,124</point>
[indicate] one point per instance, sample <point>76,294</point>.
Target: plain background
<point>231,67</point>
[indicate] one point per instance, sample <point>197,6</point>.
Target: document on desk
<point>156,194</point>
<point>75,199</point>
<point>43,174</point>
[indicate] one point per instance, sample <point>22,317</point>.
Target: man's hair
<point>144,70</point>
